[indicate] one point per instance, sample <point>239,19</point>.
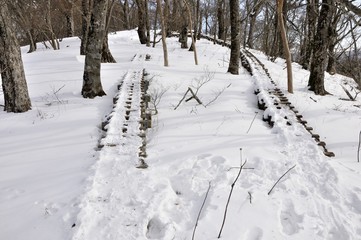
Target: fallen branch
<point>252,122</point>
<point>349,94</point>
<point>245,168</point>
<point>250,197</point>
<point>194,96</point>
<point>280,179</point>
<point>200,210</point>
<point>229,199</point>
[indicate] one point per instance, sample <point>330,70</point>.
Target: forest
<point>320,35</point>
<point>180,119</point>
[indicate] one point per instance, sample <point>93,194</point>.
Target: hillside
<point>62,177</point>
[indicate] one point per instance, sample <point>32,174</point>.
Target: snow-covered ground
<point>56,184</point>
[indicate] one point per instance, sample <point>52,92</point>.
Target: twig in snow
<point>250,197</point>
<point>349,94</point>
<point>193,96</point>
<point>229,198</point>
<point>217,94</point>
<point>359,146</point>
<point>280,179</point>
<point>252,122</point>
<point>245,168</point>
<point>200,210</point>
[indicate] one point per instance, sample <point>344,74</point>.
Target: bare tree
<point>307,49</point>
<point>125,8</point>
<point>11,66</point>
<point>233,67</point>
<point>220,18</point>
<point>320,47</point>
<point>164,34</point>
<point>192,34</point>
<point>142,25</point>
<point>92,86</point>
<point>257,5</point>
<point>107,56</point>
<point>285,45</point>
<point>86,6</point>
<point>183,36</point>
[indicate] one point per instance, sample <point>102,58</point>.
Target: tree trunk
<point>331,65</point>
<point>14,85</point>
<point>32,43</point>
<point>155,28</point>
<point>286,49</point>
<point>126,15</point>
<point>320,46</point>
<point>85,4</point>
<point>107,56</point>
<point>192,35</point>
<point>147,23</point>
<point>183,36</point>
<point>175,23</point>
<point>92,85</point>
<point>267,31</point>
<point>312,16</point>
<point>233,67</point>
<point>220,19</point>
<point>164,34</point>
<point>252,22</point>
<point>52,38</point>
<point>69,15</point>
<point>167,18</point>
<point>141,21</point>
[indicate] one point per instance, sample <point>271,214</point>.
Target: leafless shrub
<point>156,95</point>
<point>199,82</point>
<point>53,97</point>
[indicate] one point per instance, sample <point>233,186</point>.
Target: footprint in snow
<point>290,221</point>
<point>255,233</point>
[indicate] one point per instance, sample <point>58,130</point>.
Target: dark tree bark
<point>233,67</point>
<point>107,56</point>
<point>320,47</point>
<point>86,6</point>
<point>183,36</point>
<point>312,16</point>
<point>69,15</point>
<point>125,8</point>
<point>167,18</point>
<point>331,64</point>
<point>92,86</point>
<point>175,23</point>
<point>147,23</point>
<point>14,85</point>
<point>220,19</point>
<point>32,43</point>
<point>141,21</point>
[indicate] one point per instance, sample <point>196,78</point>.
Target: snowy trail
<point>119,191</point>
<point>313,182</point>
<point>189,150</point>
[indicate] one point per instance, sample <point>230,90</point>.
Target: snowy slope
<point>56,184</point>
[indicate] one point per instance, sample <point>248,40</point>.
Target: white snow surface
<point>55,183</point>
